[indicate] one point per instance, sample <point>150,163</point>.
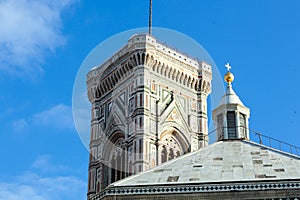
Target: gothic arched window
<point>171,148</point>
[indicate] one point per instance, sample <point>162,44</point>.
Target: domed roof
<point>230,97</point>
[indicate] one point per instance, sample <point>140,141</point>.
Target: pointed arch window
<point>171,148</point>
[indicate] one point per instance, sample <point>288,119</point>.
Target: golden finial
<point>228,76</point>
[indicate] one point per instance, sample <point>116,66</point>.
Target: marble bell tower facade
<point>149,105</point>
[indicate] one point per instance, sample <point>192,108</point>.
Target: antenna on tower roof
<point>150,17</point>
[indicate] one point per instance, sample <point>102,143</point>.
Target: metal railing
<point>274,143</point>
<point>256,137</point>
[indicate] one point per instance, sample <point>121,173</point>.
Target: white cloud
<point>43,163</point>
<point>15,191</point>
<point>33,186</point>
<point>19,125</point>
<point>28,30</point>
<point>57,117</point>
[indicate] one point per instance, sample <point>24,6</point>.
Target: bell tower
<point>231,116</point>
<point>149,105</point>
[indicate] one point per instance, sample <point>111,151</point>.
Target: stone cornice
<point>184,188</point>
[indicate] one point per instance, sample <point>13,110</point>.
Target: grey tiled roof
<point>230,97</point>
<point>222,161</point>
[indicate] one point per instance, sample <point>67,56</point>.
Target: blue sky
<point>42,46</point>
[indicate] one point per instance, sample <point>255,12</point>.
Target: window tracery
<point>170,148</point>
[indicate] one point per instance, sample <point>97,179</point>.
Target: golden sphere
<point>229,77</point>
